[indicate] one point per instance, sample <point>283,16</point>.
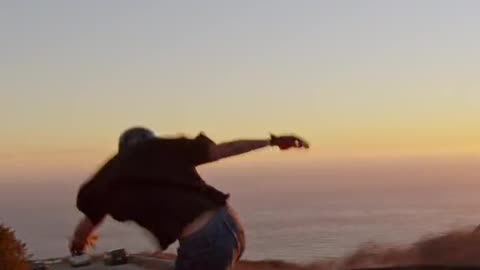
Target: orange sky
<point>381,80</point>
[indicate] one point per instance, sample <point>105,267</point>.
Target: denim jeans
<point>213,247</point>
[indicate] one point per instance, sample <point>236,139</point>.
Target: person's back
<point>154,182</point>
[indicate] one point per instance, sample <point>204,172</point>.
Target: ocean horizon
<point>295,215</point>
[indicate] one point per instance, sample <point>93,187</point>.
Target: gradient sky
<point>356,78</point>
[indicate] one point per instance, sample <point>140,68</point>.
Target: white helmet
<point>133,136</point>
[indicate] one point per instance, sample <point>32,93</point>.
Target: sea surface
<point>299,214</point>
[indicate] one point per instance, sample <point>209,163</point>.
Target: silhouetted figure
<point>153,182</point>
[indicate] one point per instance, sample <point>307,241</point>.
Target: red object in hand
<point>286,142</point>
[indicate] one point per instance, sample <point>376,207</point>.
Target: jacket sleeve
<point>93,196</point>
<point>197,151</point>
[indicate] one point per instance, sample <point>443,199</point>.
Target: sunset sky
<point>355,78</point>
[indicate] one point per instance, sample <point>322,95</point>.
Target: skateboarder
<point>153,182</point>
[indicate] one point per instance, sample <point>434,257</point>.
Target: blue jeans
<point>211,248</point>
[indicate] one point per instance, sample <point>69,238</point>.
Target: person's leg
<point>213,247</point>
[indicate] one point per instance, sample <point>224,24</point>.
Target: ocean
<point>298,213</point>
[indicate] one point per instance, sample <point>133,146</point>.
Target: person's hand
<point>83,237</point>
<point>77,246</point>
<point>286,142</point>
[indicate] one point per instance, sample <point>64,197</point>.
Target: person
<point>153,182</point>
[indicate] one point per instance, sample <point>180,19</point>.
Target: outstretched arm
<point>239,147</point>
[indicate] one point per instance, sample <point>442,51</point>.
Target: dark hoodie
<point>156,185</point>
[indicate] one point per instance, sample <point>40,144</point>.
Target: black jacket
<point>155,185</point>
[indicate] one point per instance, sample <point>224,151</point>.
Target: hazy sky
<point>353,77</point>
